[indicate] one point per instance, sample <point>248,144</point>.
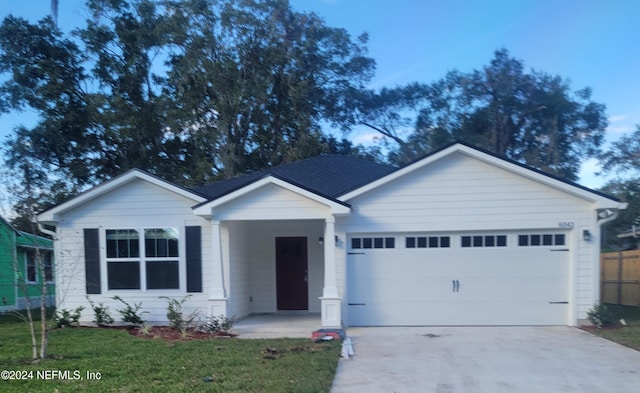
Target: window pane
<point>173,247</point>
<point>466,241</point>
<point>477,241</point>
<point>422,242</point>
<point>122,243</point>
<point>378,242</point>
<point>433,241</point>
<point>502,241</point>
<point>356,243</point>
<point>489,241</point>
<point>444,241</point>
<point>123,275</point>
<point>112,247</point>
<point>150,247</point>
<point>535,240</point>
<point>161,242</point>
<point>523,240</point>
<point>31,266</point>
<point>366,242</point>
<point>559,240</point>
<point>162,275</point>
<point>390,242</point>
<point>547,240</point>
<point>410,242</point>
<point>48,266</point>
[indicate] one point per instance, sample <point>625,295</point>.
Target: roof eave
<point>336,206</point>
<point>52,216</point>
<point>602,200</point>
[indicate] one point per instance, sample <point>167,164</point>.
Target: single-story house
<point>20,279</point>
<point>459,237</point>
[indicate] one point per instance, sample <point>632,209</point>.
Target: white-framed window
<point>140,258</point>
<point>483,241</point>
<point>427,242</point>
<point>373,242</point>
<point>541,239</point>
<point>31,266</point>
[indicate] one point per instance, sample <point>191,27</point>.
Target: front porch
<point>277,325</point>
<point>254,271</point>
<point>277,266</point>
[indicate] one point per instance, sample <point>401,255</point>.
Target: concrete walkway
<point>486,359</point>
<point>290,325</point>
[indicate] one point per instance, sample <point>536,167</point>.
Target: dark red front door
<point>291,273</point>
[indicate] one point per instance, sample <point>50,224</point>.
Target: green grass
<point>132,364</point>
<point>628,335</point>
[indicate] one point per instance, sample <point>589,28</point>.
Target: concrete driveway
<point>486,359</point>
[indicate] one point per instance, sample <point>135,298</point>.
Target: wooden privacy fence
<point>620,278</point>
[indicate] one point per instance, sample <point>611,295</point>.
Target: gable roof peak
<point>327,174</point>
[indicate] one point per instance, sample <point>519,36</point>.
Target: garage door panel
<point>411,288</point>
<point>457,285</point>
<point>405,313</point>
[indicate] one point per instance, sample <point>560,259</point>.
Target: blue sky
<point>591,43</point>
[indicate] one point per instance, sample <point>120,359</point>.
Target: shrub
<point>130,314</point>
<point>101,316</point>
<point>66,317</point>
<point>217,324</point>
<point>145,329</point>
<point>176,316</point>
<point>601,316</point>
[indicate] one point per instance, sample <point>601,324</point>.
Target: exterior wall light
<point>321,240</point>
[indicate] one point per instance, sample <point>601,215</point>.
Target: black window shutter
<point>194,258</point>
<point>92,260</point>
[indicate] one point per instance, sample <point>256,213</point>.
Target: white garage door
<point>501,278</point>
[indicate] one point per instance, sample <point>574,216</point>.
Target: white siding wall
<point>271,202</point>
<point>460,193</point>
<point>136,205</point>
<point>341,255</point>
<point>239,268</point>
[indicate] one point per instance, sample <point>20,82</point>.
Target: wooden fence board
<point>620,278</point>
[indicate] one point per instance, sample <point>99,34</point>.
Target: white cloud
<point>587,174</point>
<point>614,119</point>
<point>365,138</point>
<point>623,129</point>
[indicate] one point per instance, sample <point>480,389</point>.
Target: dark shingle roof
<point>328,175</point>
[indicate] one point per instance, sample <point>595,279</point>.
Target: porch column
<point>217,298</point>
<point>330,301</point>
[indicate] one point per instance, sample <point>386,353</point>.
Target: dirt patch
<point>592,328</point>
<point>167,333</point>
<point>270,353</point>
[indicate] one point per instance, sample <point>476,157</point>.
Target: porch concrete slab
<point>277,325</point>
<point>485,359</point>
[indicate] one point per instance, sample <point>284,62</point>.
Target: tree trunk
<point>32,330</point>
<point>43,304</point>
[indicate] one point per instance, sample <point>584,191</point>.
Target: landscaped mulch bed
<point>168,333</point>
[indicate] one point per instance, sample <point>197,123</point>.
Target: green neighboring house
<point>19,271</point>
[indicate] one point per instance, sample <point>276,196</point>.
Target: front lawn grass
<point>628,335</point>
<point>132,364</point>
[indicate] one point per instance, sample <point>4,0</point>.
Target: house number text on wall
<point>565,224</point>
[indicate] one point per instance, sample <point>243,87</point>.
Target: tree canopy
<point>530,117</point>
<point>198,90</point>
<point>622,159</point>
<point>191,90</point>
